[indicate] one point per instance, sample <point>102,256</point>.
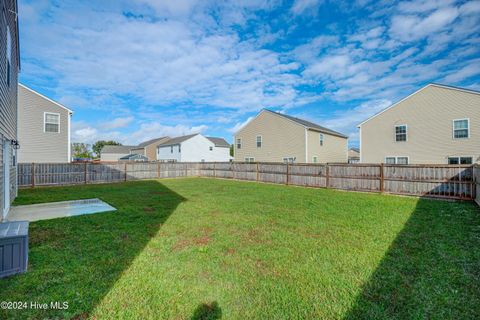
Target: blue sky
<point>140,69</point>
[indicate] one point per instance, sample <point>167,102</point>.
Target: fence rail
<point>444,181</point>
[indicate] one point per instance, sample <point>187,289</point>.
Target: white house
<point>194,148</point>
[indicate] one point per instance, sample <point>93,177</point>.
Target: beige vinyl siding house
<point>114,153</point>
<point>437,124</point>
<point>9,68</point>
<point>275,137</point>
<point>43,128</point>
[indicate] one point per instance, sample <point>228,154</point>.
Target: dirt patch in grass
<point>199,241</point>
<point>148,209</point>
<point>46,236</point>
<point>230,251</point>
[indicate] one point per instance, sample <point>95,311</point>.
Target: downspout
<point>306,145</point>
<point>69,154</point>
<point>360,142</point>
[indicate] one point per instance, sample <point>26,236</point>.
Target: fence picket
<point>453,182</point>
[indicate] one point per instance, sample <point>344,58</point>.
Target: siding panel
<point>429,116</point>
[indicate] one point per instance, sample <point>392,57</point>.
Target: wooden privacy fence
<point>476,177</point>
<point>444,181</point>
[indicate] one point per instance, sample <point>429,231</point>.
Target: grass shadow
<point>439,239</point>
<point>207,311</point>
<point>79,259</point>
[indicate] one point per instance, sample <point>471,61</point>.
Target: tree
<point>231,150</point>
<point>81,150</point>
<point>97,146</point>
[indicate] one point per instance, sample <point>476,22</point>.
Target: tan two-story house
<point>277,137</point>
<point>437,124</point>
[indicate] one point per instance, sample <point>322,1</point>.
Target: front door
<point>6,177</point>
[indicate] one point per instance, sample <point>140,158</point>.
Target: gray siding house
<point>43,128</point>
<point>9,68</point>
<point>437,124</point>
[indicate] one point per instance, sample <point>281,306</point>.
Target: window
<point>179,148</point>
<point>315,159</point>
<point>52,122</point>
<point>249,159</point>
<point>396,160</point>
<point>460,160</point>
<point>210,148</point>
<point>239,143</point>
<point>402,160</point>
<point>321,139</point>
<point>460,129</point>
<point>390,160</point>
<point>401,133</point>
<point>9,55</point>
<point>171,149</point>
<point>288,160</point>
<point>259,141</point>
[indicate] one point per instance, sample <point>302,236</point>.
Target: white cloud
<point>116,123</point>
<point>239,125</point>
<point>413,27</point>
<point>346,121</point>
<point>300,6</point>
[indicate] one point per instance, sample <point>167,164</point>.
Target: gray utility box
<point>13,247</point>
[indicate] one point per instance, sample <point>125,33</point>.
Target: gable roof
<point>149,142</point>
<point>308,124</point>
<point>44,97</point>
<point>219,142</point>
<point>116,149</point>
<point>443,86</point>
<point>133,156</point>
<point>176,140</point>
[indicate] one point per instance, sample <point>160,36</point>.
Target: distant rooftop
<point>219,142</point>
<point>310,125</point>
<point>116,149</point>
<point>149,142</point>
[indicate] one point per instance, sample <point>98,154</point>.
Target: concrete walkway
<point>51,210</point>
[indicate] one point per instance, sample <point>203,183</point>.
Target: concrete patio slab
<point>51,210</point>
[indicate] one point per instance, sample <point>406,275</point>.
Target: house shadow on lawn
<point>79,259</point>
<point>207,311</point>
<point>431,270</point>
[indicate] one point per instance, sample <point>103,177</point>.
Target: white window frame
<point>458,157</point>
<point>256,141</point>
<point>180,148</point>
<point>288,159</point>
<point>315,159</point>
<point>238,143</point>
<point>45,121</point>
<point>468,128</point>
<point>249,159</point>
<point>396,159</point>
<point>406,132</point>
<point>321,139</point>
<point>210,148</point>
<point>171,149</point>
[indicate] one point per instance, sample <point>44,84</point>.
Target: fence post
<point>327,175</point>
<point>257,171</point>
<point>85,172</point>
<point>288,173</point>
<point>233,170</point>
<point>33,174</point>
<point>125,168</point>
<point>158,170</point>
<point>382,178</point>
<point>214,170</point>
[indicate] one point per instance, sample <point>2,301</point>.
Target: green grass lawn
<point>208,249</point>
